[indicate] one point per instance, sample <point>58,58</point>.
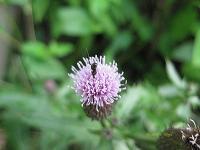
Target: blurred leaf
<point>72,21</point>
<point>182,23</point>
<point>39,9</point>
<point>129,101</point>
<point>174,76</point>
<point>165,43</point>
<point>101,12</point>
<point>183,52</point>
<point>196,50</point>
<point>120,145</point>
<point>140,24</point>
<point>9,98</point>
<point>105,144</point>
<point>194,101</point>
<point>169,91</point>
<point>18,2</point>
<point>179,26</point>
<point>17,136</point>
<point>40,119</point>
<point>35,49</point>
<point>191,71</point>
<point>183,111</point>
<point>120,43</point>
<point>60,49</point>
<point>98,8</point>
<point>42,70</point>
<point>37,112</point>
<point>107,25</point>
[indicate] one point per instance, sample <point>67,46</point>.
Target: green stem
<point>143,137</point>
<point>103,124</point>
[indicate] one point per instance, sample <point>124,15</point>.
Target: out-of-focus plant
<point>38,108</point>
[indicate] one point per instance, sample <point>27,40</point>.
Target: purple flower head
<point>98,83</point>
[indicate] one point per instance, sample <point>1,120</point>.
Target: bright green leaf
<point>35,49</point>
<point>18,2</point>
<point>182,23</point>
<point>42,70</point>
<point>39,9</point>
<point>196,50</point>
<point>60,49</point>
<point>174,76</point>
<point>72,21</point>
<point>183,52</point>
<point>129,101</point>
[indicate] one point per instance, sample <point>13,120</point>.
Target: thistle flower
<point>191,135</point>
<point>98,84</point>
<point>180,138</point>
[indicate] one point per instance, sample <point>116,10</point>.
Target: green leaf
<point>18,2</point>
<point>60,49</point>
<point>120,145</point>
<point>196,50</point>
<point>105,144</point>
<point>42,70</point>
<point>128,101</point>
<point>169,91</point>
<point>194,101</point>
<point>184,111</point>
<point>191,71</point>
<point>120,43</point>
<point>182,23</point>
<point>98,8</point>
<point>139,23</point>
<point>35,49</point>
<point>107,25</point>
<point>174,76</point>
<point>39,9</point>
<point>10,98</point>
<point>183,52</point>
<point>101,12</point>
<point>72,21</point>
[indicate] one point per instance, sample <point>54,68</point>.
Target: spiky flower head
<point>98,84</point>
<point>180,138</point>
<point>191,135</point>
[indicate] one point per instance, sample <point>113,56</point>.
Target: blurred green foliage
<point>155,43</point>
